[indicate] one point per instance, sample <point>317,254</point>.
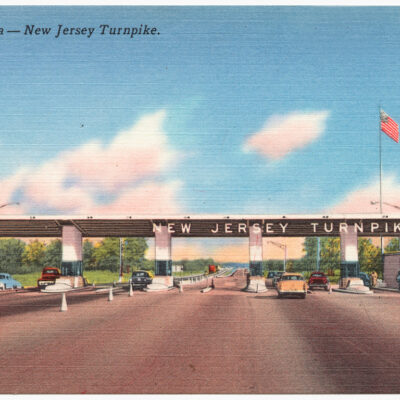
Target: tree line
<point>369,256</point>
<point>19,257</point>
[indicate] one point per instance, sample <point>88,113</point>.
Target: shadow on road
<point>42,301</point>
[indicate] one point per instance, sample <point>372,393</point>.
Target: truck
<point>212,269</point>
<point>48,277</point>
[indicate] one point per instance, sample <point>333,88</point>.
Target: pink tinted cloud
<point>138,152</point>
<point>282,134</point>
<point>72,181</point>
<point>149,198</point>
<point>359,201</point>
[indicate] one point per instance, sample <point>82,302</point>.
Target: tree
<point>330,253</point>
<point>33,256</point>
<point>11,251</point>
<point>106,254</point>
<point>393,246</point>
<point>289,265</point>
<point>273,265</point>
<point>310,248</point>
<point>88,255</point>
<point>369,256</point>
<point>134,250</point>
<point>53,254</point>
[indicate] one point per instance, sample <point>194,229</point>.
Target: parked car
<point>318,280</point>
<point>48,277</point>
<point>9,282</point>
<point>292,284</point>
<point>366,279</point>
<point>277,278</point>
<point>269,280</point>
<point>140,279</point>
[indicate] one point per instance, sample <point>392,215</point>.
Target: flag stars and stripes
<point>389,126</point>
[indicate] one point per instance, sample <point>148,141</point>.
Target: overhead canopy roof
<point>201,226</point>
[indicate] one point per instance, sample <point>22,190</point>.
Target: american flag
<point>390,127</point>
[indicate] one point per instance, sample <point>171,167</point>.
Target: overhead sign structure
<point>201,227</point>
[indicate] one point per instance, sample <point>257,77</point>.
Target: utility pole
<point>282,246</point>
<point>121,248</point>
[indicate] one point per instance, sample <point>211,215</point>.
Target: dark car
<point>318,280</point>
<point>269,280</point>
<point>365,278</point>
<point>140,279</point>
<point>277,278</point>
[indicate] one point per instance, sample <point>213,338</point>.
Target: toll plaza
<point>72,229</point>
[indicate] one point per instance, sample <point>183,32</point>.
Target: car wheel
<point>303,296</point>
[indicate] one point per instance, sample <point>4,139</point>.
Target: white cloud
<point>359,200</point>
<point>282,134</point>
<point>126,169</point>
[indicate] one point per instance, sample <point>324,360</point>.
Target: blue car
<point>7,282</point>
<point>366,279</point>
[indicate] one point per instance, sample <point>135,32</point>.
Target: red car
<point>49,276</point>
<point>318,280</point>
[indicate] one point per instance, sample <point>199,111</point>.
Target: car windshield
<point>292,278</point>
<point>317,275</point>
<point>139,273</point>
<point>271,274</point>
<point>51,271</point>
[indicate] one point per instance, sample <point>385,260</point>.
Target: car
<point>292,284</point>
<point>269,280</point>
<point>140,279</point>
<point>48,277</point>
<point>365,278</point>
<point>318,280</point>
<point>9,282</point>
<point>277,278</point>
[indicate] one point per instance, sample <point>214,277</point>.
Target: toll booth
<point>71,268</point>
<point>256,268</point>
<point>349,269</point>
<point>391,267</point>
<point>163,267</point>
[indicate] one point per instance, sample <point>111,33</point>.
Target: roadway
<point>223,341</point>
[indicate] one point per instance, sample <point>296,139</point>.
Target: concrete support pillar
<point>163,262</point>
<point>71,264</point>
<point>349,265</point>
<point>255,251</point>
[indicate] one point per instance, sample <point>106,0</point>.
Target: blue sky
<point>213,79</point>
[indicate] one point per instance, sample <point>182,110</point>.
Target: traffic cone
<point>110,294</point>
<point>130,288</point>
<point>63,302</point>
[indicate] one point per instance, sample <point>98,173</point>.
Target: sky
<point>223,111</point>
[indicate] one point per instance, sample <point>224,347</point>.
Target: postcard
<point>199,199</point>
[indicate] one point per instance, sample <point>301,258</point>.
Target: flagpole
<point>380,174</point>
<point>380,161</point>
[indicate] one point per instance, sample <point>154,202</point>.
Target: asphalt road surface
<point>223,341</point>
